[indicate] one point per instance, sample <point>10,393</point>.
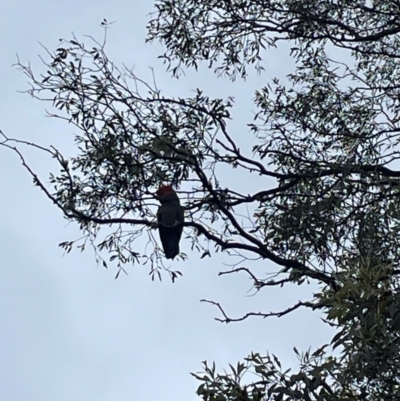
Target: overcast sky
<point>68,329</point>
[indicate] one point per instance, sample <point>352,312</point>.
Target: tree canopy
<point>327,141</point>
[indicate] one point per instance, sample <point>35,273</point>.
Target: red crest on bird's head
<point>165,190</point>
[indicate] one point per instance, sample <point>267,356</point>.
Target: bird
<point>170,218</point>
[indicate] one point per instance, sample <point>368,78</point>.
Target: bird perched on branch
<point>170,219</point>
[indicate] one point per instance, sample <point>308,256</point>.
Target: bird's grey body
<point>170,217</point>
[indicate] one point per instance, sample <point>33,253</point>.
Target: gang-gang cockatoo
<point>170,218</point>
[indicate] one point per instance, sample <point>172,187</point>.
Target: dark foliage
<point>328,139</point>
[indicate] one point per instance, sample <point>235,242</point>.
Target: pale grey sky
<point>68,330</point>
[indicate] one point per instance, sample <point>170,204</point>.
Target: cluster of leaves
<point>128,145</point>
<point>365,310</point>
<point>230,35</point>
<point>332,134</point>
